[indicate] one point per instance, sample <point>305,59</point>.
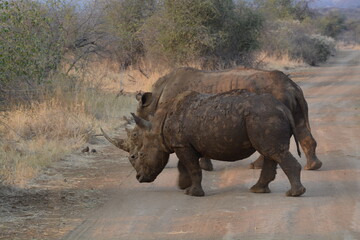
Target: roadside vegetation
<point>66,67</point>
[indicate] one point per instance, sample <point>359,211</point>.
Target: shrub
<point>124,19</point>
<point>206,31</point>
<point>30,46</point>
<point>332,24</point>
<point>298,41</point>
<point>313,49</point>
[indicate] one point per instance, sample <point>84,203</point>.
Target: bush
<point>297,40</point>
<point>30,46</point>
<point>204,31</point>
<point>332,24</point>
<point>313,49</point>
<point>124,19</point>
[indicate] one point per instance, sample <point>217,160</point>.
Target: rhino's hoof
<point>195,191</point>
<point>295,193</point>
<point>206,164</point>
<point>184,182</point>
<point>315,165</point>
<point>258,189</point>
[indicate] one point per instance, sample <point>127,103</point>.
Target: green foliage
<point>332,24</point>
<point>201,30</point>
<point>29,47</point>
<point>285,9</point>
<point>313,49</point>
<point>296,40</point>
<point>353,27</point>
<point>124,19</point>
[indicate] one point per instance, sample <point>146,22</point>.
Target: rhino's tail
<point>292,124</point>
<point>300,99</point>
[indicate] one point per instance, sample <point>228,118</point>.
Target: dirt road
<point>55,204</point>
<point>330,209</point>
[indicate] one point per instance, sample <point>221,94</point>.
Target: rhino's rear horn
<point>142,123</point>
<point>117,142</point>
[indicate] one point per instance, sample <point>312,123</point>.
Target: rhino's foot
<point>206,164</point>
<point>314,165</point>
<point>260,189</point>
<point>296,192</point>
<point>195,191</point>
<point>184,181</point>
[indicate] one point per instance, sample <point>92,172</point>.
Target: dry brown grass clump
<point>34,135</point>
<point>283,62</point>
<point>347,45</point>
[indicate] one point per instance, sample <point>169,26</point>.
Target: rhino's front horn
<point>142,123</point>
<point>117,142</point>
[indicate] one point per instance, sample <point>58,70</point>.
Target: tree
<point>204,31</point>
<point>285,9</point>
<point>332,24</point>
<point>124,19</point>
<point>30,48</point>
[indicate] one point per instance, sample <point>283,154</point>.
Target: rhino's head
<point>151,159</point>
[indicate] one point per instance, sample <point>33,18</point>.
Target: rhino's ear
<point>145,99</point>
<point>142,123</point>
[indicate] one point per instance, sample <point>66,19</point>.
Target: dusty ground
<point>96,196</point>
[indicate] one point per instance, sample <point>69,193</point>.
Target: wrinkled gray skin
<point>229,126</point>
<point>275,83</point>
<point>260,81</point>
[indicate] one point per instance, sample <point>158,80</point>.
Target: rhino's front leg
<point>189,159</point>
<point>184,180</point>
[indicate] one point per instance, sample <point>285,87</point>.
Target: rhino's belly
<point>224,146</point>
<point>230,156</point>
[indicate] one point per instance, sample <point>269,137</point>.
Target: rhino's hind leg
<point>292,169</point>
<point>206,164</point>
<point>190,161</point>
<point>308,145</point>
<point>184,180</point>
<point>267,175</point>
<point>258,163</point>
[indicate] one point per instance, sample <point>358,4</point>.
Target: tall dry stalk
<point>34,135</point>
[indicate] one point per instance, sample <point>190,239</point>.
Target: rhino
<point>229,126</point>
<point>275,83</point>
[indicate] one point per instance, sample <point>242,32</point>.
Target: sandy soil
<point>96,196</point>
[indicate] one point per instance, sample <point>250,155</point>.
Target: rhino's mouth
<point>144,179</point>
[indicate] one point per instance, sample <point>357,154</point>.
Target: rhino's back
<point>221,119</point>
<point>259,81</point>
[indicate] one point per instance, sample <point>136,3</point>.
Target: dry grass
<point>109,76</point>
<point>33,136</point>
<point>283,62</point>
<point>352,46</point>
